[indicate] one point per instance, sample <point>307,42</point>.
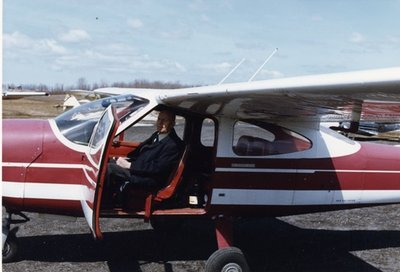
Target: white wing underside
<point>330,97</point>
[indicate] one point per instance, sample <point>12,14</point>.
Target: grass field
<point>33,107</point>
<point>43,107</point>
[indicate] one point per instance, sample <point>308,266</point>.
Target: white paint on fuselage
<point>50,191</point>
<point>227,196</point>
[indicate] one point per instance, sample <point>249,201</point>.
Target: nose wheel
<point>10,242</point>
<point>10,248</point>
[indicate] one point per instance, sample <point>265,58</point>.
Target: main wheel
<point>10,248</point>
<point>229,259</point>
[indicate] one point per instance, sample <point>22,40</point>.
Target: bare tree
<point>82,84</point>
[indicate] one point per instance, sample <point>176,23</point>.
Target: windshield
<point>77,124</point>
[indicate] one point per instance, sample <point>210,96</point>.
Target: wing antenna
<point>265,62</point>
<point>233,70</point>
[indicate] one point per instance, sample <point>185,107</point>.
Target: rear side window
<point>261,139</point>
<point>207,136</point>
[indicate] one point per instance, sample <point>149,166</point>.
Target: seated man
<point>151,163</point>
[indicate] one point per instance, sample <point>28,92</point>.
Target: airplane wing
<point>111,91</point>
<point>372,95</point>
<point>21,94</point>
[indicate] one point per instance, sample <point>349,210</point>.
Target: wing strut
<point>354,122</point>
<point>355,118</point>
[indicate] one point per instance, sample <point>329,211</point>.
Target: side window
<point>142,130</point>
<point>264,139</point>
<point>207,136</point>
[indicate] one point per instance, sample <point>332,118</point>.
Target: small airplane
<point>13,94</point>
<point>252,149</point>
<point>375,131</point>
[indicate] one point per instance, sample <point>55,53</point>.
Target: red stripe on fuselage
<point>15,174</point>
<point>54,175</point>
<point>374,167</point>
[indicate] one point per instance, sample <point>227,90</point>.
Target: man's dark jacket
<point>152,163</point>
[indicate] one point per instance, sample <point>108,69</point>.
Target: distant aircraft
<point>21,94</point>
<point>252,149</point>
<point>376,131</point>
<point>70,101</point>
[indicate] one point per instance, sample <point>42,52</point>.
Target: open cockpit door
<point>96,166</point>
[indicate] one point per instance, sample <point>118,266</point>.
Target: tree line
<point>82,84</point>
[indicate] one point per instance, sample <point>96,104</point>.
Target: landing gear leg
<point>10,242</point>
<point>226,258</point>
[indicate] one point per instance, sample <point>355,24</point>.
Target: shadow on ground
<point>269,245</point>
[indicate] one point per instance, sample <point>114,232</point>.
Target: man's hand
<point>123,163</point>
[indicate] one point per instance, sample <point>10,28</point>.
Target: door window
<point>101,132</point>
<point>143,129</point>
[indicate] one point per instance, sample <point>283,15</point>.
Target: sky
<point>193,42</point>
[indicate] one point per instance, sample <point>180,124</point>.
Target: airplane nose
<point>22,140</point>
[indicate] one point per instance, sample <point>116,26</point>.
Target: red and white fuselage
<point>42,172</point>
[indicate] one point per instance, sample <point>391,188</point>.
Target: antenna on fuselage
<point>265,62</point>
<point>233,70</point>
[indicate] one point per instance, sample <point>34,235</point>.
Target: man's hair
<point>170,114</point>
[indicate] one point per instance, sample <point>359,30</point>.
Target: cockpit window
<point>77,124</point>
<point>262,139</point>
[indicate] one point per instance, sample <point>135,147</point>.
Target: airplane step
<point>119,212</point>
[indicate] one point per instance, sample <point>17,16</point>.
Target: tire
<point>229,259</point>
<point>10,249</point>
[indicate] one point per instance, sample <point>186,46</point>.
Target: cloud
<point>178,34</point>
<point>18,41</point>
<point>52,45</point>
<point>74,36</point>
<point>393,39</point>
<point>221,67</point>
<point>117,58</point>
<point>176,30</point>
<point>271,74</point>
<point>250,45</point>
<point>362,45</point>
<point>204,18</point>
<point>357,38</point>
<point>316,18</point>
<point>135,23</point>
